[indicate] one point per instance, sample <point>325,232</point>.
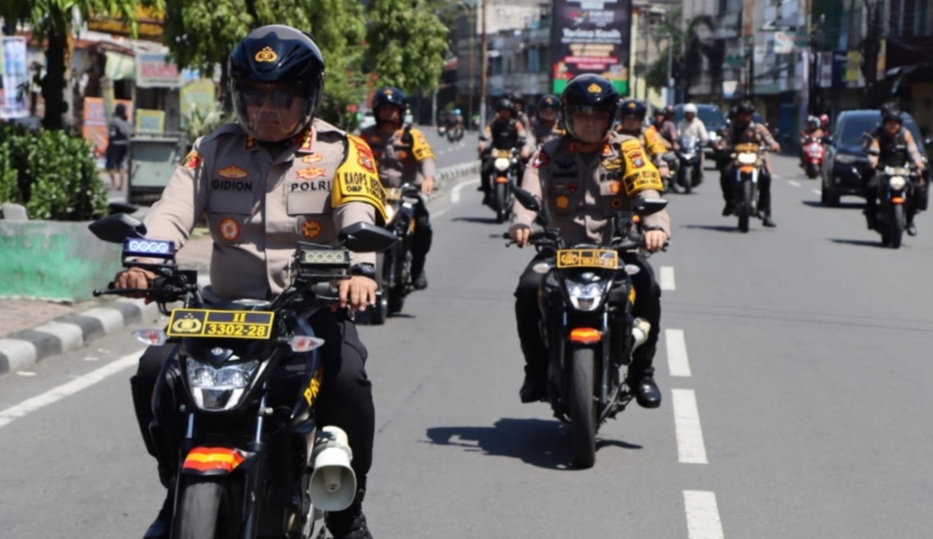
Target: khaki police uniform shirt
<point>399,161</point>
<point>581,193</point>
<point>259,207</point>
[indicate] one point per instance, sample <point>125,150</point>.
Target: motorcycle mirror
<point>366,237</point>
<point>118,227</point>
<point>526,199</point>
<point>651,206</point>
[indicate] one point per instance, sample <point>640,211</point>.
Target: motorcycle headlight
<point>747,158</point>
<point>219,388</point>
<point>502,164</point>
<point>897,182</point>
<point>585,296</point>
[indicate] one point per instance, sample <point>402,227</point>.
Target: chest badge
<point>229,229</point>
<point>310,173</point>
<point>615,186</point>
<point>313,158</point>
<point>311,229</point>
<point>232,172</point>
<point>562,202</point>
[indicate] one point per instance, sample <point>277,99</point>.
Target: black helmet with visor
<point>588,93</point>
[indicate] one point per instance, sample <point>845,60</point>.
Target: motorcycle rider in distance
<point>632,123</point>
<point>520,114</point>
<point>892,145</point>
<point>504,132</point>
<point>665,127</point>
<point>578,180</point>
<point>814,130</point>
<point>743,129</point>
<point>693,126</point>
<point>546,125</point>
<point>403,155</point>
<point>824,123</point>
<point>276,80</point>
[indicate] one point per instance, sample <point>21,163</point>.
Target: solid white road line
<point>56,394</point>
<point>690,447</point>
<point>703,520</point>
<point>667,278</point>
<point>818,192</point>
<point>455,192</point>
<point>677,360</point>
<point>794,183</point>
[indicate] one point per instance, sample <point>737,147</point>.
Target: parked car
<point>845,162</point>
<point>712,118</point>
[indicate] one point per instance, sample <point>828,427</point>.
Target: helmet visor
<point>589,124</point>
<point>271,112</point>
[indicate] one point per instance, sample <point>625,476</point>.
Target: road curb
<point>24,349</point>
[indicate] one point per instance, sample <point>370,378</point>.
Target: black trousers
<point>421,241</point>
<point>345,399</point>
<point>528,316</point>
<point>727,182</point>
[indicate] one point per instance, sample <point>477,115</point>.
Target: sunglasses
<point>280,99</point>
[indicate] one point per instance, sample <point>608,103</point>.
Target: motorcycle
<point>690,152</point>
<point>813,150</point>
<point>455,133</point>
<point>895,191</point>
<point>250,464</point>
<point>505,176</point>
<point>589,340</point>
<point>442,130</point>
<point>748,163</point>
<point>393,267</point>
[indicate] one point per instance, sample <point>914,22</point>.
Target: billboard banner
<point>14,77</point>
<point>591,36</point>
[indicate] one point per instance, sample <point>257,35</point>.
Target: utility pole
<point>482,81</point>
<point>871,48</point>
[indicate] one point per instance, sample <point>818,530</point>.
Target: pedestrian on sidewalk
<point>119,140</point>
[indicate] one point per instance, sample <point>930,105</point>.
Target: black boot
<point>766,219</point>
<point>351,522</point>
<point>911,227</point>
<point>161,527</point>
<point>728,210</point>
<point>421,244</point>
<point>534,388</point>
<point>646,390</point>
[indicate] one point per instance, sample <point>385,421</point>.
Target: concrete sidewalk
<point>32,330</point>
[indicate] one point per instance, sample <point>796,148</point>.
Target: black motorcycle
<point>250,464</point>
<point>589,340</point>
<point>455,133</point>
<point>505,174</point>
<point>895,195</point>
<point>393,266</point>
<point>689,154</point>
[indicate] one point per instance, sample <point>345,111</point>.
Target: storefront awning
<point>120,66</point>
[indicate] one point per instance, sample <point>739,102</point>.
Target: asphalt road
<point>792,361</point>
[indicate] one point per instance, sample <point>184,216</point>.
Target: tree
<point>52,23</point>
<point>200,34</point>
<point>407,42</point>
<point>689,63</point>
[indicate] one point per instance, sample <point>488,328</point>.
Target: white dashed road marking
<point>667,278</point>
<point>818,192</point>
<point>676,352</point>
<point>703,520</point>
<point>690,446</point>
<point>794,183</point>
<point>56,394</point>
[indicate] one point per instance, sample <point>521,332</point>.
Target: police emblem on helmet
<point>266,55</point>
<point>594,88</point>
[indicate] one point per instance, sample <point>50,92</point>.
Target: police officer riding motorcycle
<point>744,130</point>
<point>505,133</point>
<point>546,126</point>
<point>631,123</point>
<point>892,145</point>
<point>578,179</point>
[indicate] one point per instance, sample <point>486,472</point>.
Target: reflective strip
<point>204,459</point>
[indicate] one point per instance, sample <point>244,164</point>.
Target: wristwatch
<point>364,269</point>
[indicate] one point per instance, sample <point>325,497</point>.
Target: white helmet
<point>690,108</point>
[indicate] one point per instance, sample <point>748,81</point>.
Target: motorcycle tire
<point>812,171</point>
<point>688,178</point>
<point>745,207</point>
<point>583,407</point>
<point>898,223</point>
<point>205,511</point>
<point>501,203</point>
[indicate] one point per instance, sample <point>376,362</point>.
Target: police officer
<point>520,114</point>
<point>632,123</point>
<point>504,132</point>
<point>892,145</point>
<point>402,153</point>
<point>665,127</point>
<point>813,130</point>
<point>278,176</point>
<point>546,126</point>
<point>743,129</point>
<point>578,179</point>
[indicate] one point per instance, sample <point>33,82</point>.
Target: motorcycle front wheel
<point>745,207</point>
<point>583,408</point>
<point>502,202</point>
<point>206,511</point>
<point>897,226</point>
<point>688,178</point>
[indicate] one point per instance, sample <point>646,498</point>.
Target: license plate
<point>220,324</point>
<point>587,258</point>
